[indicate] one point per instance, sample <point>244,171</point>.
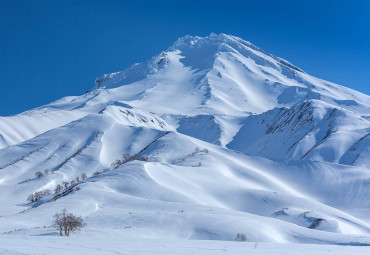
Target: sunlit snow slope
<point>210,138</point>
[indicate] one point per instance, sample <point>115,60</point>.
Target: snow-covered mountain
<point>210,138</point>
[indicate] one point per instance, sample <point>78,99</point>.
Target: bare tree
<point>31,198</point>
<point>240,237</point>
<point>117,163</point>
<point>38,195</point>
<point>67,222</point>
<point>58,189</point>
<point>77,179</point>
<point>65,184</point>
<point>58,220</point>
<point>73,223</point>
<point>73,182</point>
<point>34,197</point>
<point>45,192</point>
<point>96,173</point>
<point>83,176</point>
<point>39,174</point>
<point>126,158</point>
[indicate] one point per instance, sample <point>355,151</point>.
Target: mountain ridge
<point>211,130</point>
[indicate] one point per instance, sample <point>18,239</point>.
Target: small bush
<point>58,189</point>
<point>127,158</point>
<point>96,173</point>
<point>31,198</point>
<point>77,179</point>
<point>34,197</point>
<point>240,237</point>
<point>57,196</point>
<point>66,184</point>
<point>197,150</point>
<point>46,171</point>
<point>39,174</point>
<point>46,192</point>
<point>145,159</point>
<point>83,176</point>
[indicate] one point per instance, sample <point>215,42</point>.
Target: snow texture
<point>207,140</point>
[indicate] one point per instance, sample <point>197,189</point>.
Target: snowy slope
<point>310,130</point>
<point>210,138</point>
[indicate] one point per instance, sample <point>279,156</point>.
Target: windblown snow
<point>209,139</point>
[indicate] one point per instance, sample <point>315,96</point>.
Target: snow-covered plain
<point>231,140</point>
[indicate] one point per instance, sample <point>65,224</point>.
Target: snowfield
<point>83,245</point>
<point>210,139</point>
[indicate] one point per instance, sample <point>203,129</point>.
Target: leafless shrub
<point>58,189</point>
<point>57,196</point>
<point>46,171</point>
<point>46,192</point>
<point>141,158</point>
<point>66,184</point>
<point>197,150</point>
<point>31,198</point>
<point>127,158</point>
<point>118,162</point>
<point>96,173</point>
<point>67,222</point>
<point>240,237</point>
<point>83,176</point>
<point>135,157</point>
<point>77,179</point>
<point>39,174</point>
<point>73,182</point>
<point>36,196</point>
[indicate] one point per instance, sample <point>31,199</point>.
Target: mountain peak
<point>189,40</point>
<point>225,42</point>
<point>213,127</point>
<point>199,53</point>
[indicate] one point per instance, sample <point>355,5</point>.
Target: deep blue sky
<point>51,49</point>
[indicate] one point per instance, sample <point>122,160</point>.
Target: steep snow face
<point>310,130</point>
<point>177,147</point>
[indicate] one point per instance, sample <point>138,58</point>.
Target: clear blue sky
<point>51,49</point>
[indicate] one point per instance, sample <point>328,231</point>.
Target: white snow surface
<point>228,139</point>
